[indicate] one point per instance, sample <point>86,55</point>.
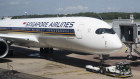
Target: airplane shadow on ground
<point>135,63</point>
<point>61,57</point>
<point>119,57</point>
<point>57,56</point>
<point>12,74</point>
<point>2,60</point>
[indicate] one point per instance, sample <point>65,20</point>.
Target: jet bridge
<point>129,33</point>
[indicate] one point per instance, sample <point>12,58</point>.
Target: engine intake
<point>4,48</point>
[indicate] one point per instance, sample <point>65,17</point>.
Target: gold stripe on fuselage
<point>36,32</point>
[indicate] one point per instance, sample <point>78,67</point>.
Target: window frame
<point>105,30</point>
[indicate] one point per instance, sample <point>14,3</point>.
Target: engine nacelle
<point>4,48</point>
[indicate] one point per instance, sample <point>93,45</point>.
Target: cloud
<point>18,2</point>
<point>79,7</point>
<point>73,8</point>
<point>14,3</point>
<point>113,9</point>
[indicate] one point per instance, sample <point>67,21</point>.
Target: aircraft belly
<point>70,44</point>
<point>26,43</point>
<point>55,42</point>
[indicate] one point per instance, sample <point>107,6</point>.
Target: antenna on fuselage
<point>100,17</point>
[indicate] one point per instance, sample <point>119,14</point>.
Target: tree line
<point>105,16</point>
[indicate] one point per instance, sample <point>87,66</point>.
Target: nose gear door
<point>105,42</point>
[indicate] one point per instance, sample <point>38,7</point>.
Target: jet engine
<point>4,48</point>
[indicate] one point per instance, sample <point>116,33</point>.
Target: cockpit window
<point>105,30</point>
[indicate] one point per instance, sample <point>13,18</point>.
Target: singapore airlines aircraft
<point>82,34</point>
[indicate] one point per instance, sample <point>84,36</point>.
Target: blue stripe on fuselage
<point>40,30</point>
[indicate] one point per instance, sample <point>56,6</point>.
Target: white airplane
<point>82,34</point>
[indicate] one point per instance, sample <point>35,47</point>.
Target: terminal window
<point>138,32</point>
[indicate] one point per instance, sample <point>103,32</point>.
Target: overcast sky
<point>19,7</point>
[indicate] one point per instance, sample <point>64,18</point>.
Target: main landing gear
<point>46,50</point>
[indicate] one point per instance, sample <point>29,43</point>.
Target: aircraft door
<point>79,31</point>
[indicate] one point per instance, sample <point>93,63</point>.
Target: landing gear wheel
<point>102,70</point>
<point>128,57</point>
<point>134,58</point>
<point>51,50</point>
<point>46,50</point>
<point>131,57</point>
<point>41,50</point>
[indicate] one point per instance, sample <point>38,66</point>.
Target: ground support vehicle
<point>121,69</point>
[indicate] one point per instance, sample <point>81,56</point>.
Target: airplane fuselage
<point>82,34</point>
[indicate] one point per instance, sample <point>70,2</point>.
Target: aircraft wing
<point>18,37</point>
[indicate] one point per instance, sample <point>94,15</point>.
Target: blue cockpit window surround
<point>105,30</point>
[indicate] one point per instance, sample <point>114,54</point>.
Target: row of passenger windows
<point>105,30</point>
<point>45,30</point>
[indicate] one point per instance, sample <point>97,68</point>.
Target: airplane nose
<point>114,43</point>
<point>117,45</point>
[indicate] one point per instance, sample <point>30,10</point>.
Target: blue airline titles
<point>50,24</point>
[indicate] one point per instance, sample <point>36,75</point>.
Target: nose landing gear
<point>131,57</point>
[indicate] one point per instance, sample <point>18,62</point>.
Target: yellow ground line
<point>86,73</point>
<point>60,73</point>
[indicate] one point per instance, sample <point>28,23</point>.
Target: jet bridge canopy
<point>126,30</point>
<point>129,33</point>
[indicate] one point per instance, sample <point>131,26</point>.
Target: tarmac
<point>28,64</point>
